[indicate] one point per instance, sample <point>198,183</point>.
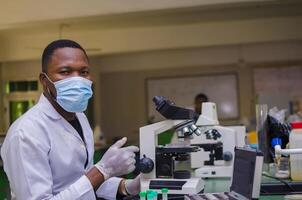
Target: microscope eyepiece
<point>158,100</point>
<point>169,110</point>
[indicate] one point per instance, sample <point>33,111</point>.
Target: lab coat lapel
<point>85,129</point>
<point>49,110</point>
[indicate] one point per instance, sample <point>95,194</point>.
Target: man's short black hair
<point>201,96</point>
<point>57,44</point>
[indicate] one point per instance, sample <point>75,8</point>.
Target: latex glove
<point>117,161</point>
<point>132,186</point>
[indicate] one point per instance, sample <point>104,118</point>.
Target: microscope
<point>216,157</point>
<point>158,162</point>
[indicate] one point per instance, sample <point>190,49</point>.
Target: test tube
<point>150,196</point>
<point>142,195</point>
<point>155,195</point>
<point>164,192</point>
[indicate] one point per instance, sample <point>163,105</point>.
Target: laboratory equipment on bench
<point>216,157</point>
<point>293,134</point>
<point>246,178</point>
<point>295,142</point>
<point>158,162</point>
<point>285,145</point>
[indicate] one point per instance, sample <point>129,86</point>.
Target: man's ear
<point>48,87</point>
<point>43,80</point>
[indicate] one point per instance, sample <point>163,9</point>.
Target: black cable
<point>280,180</point>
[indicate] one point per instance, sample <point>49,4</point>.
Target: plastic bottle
<point>164,192</point>
<point>295,141</point>
<point>142,195</point>
<point>282,171</point>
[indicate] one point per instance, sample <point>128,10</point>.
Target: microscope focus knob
<point>146,165</point>
<point>227,156</point>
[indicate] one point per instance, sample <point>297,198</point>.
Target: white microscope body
<point>148,143</point>
<point>230,137</point>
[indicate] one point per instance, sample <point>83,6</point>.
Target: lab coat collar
<point>47,108</point>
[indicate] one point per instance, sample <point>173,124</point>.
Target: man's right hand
<point>117,160</point>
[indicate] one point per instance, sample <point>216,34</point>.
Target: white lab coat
<point>44,157</point>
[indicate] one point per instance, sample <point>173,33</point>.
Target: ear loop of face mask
<point>48,90</point>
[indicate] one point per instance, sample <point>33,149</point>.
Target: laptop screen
<point>243,172</point>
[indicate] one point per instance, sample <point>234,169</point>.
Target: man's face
<point>65,63</point>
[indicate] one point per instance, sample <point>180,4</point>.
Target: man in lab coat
<point>48,152</point>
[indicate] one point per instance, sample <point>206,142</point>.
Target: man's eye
<point>85,73</point>
<point>64,72</point>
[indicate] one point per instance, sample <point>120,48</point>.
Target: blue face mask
<point>73,93</point>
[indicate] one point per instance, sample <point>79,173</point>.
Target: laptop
<point>246,178</point>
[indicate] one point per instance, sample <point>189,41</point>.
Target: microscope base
<point>175,186</point>
<point>214,172</point>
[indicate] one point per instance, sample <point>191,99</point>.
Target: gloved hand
<point>132,186</point>
<point>117,161</point>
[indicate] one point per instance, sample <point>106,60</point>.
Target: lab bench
<point>211,185</point>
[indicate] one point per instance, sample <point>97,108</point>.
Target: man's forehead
<point>68,54</point>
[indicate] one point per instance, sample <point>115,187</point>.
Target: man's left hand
<point>132,186</point>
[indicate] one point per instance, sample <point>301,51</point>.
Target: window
<point>21,86</point>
